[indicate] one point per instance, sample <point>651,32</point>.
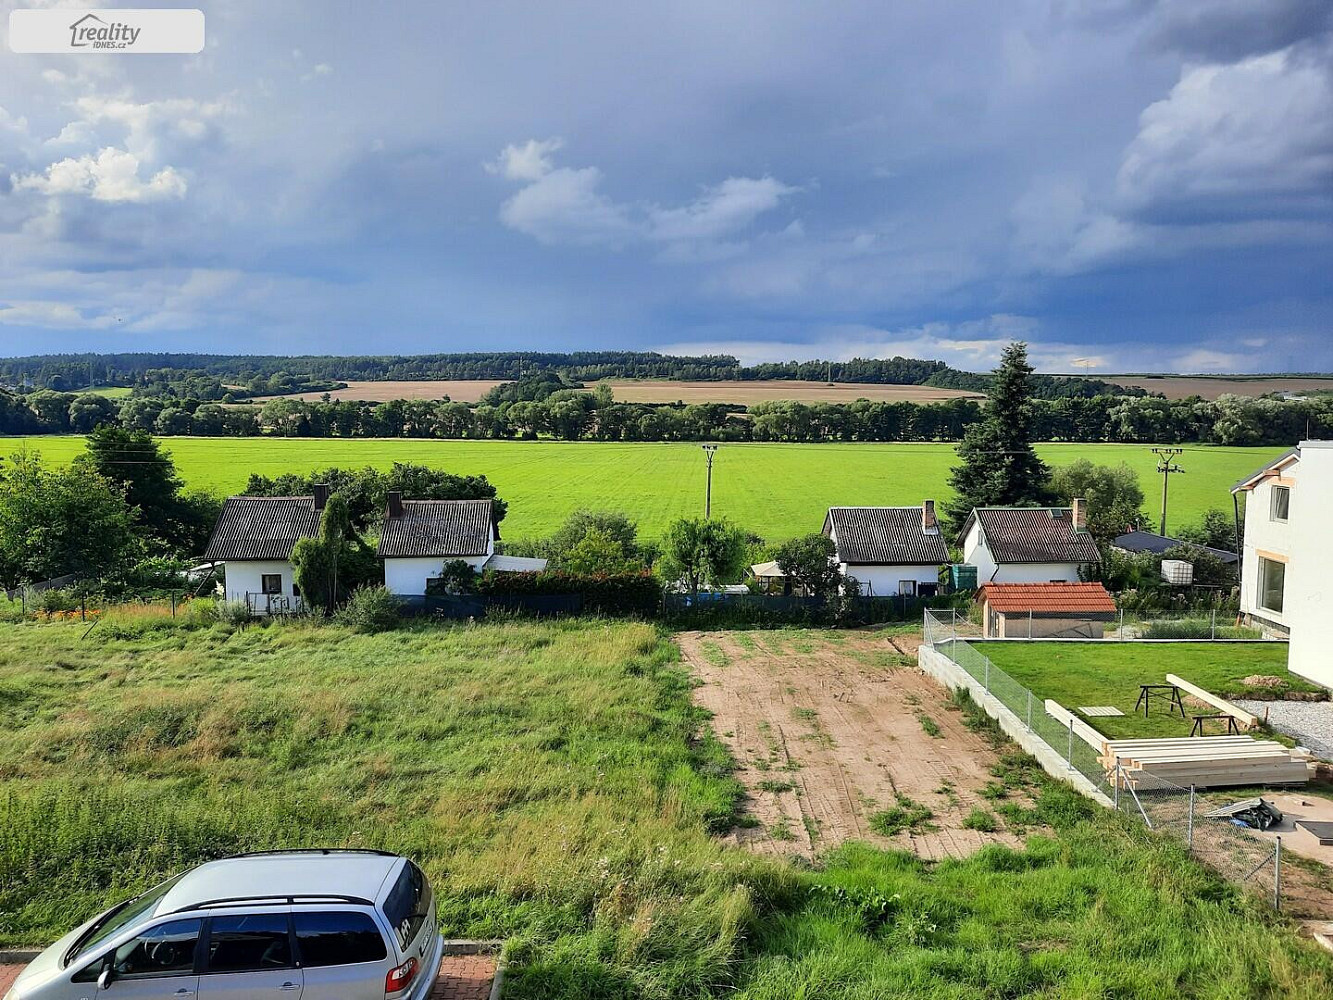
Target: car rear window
<point>338,938</point>
<point>408,905</point>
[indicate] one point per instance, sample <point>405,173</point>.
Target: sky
<point>1128,185</point>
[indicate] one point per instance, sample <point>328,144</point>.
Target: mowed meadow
<point>777,491</point>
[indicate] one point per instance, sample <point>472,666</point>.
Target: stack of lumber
<point>1206,761</point>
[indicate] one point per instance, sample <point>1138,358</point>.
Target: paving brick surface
<point>462,977</point>
<point>8,973</point>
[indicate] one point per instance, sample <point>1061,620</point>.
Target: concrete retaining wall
<point>951,675</point>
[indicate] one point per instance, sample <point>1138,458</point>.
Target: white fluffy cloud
<point>1252,137</point>
<point>565,205</point>
<point>112,175</point>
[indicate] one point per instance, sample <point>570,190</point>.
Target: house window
<point>1272,577</point>
<point>270,583</point>
<point>906,588</point>
<point>1280,504</point>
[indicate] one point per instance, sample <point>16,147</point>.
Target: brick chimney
<point>321,495</point>
<point>395,508</point>
<point>1080,514</point>
<point>930,524</point>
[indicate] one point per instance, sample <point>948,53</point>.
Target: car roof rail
<point>315,850</point>
<point>274,900</point>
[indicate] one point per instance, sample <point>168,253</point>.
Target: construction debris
<point>1254,813</point>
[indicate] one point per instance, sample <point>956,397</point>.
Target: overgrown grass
<point>558,786</point>
<point>1109,673</point>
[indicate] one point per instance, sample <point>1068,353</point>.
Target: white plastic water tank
<point>1177,572</point>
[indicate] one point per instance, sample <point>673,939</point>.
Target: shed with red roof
<point>1045,610</point>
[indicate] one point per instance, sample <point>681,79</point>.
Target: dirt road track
<point>828,730</point>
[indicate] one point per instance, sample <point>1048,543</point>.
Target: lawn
<point>556,783</point>
<point>1109,673</point>
<point>775,490</point>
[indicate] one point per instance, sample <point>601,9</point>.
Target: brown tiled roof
<point>261,528</point>
<point>884,536</point>
<point>1033,535</point>
<point>1049,597</point>
<point>438,528</point>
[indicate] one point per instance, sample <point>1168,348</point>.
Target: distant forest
<point>213,376</point>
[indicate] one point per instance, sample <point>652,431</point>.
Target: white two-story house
<point>1285,583</point>
<point>1029,544</point>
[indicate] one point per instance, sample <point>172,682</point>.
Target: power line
<point>1166,465</point>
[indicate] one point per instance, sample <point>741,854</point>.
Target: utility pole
<point>709,451</point>
<point>1166,464</point>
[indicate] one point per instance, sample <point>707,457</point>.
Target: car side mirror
<point>108,974</point>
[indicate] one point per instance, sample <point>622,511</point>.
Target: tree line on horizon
<point>212,377</point>
<point>524,411</point>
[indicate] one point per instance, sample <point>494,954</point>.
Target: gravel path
<point>1308,722</point>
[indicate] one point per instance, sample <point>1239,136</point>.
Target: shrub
<point>233,612</point>
<point>371,609</point>
<point>603,593</point>
<point>1197,628</point>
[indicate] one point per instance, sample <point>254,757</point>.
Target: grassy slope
<point>775,490</point>
<point>1109,673</point>
<point>552,780</point>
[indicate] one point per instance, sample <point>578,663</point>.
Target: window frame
<point>91,972</point>
<point>371,920</point>
<point>1261,586</point>
<point>1276,491</point>
<point>267,589</point>
<point>203,966</point>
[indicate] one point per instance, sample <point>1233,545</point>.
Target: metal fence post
<point>1029,624</point>
<point>1069,754</point>
<point>1277,874</point>
<point>1189,829</point>
<point>1117,785</point>
<point>1212,624</point>
<point>1029,710</point>
<point>987,683</point>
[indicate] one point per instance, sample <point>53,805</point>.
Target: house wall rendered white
<point>1308,600</point>
<point>977,553</point>
<point>1264,535</point>
<point>406,576</point>
<point>245,577</point>
<point>883,581</point>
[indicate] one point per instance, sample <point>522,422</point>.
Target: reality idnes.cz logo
<point>91,32</point>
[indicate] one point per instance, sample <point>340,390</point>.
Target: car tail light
<point>400,978</point>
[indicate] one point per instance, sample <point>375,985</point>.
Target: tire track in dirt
<point>826,731</point>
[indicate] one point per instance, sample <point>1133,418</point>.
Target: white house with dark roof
<point>1029,544</point>
<point>1285,581</point>
<point>420,536</point>
<point>254,538</point>
<point>889,551</point>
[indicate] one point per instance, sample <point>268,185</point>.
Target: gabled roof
<point>455,528</point>
<point>1150,541</point>
<point>1051,598</point>
<point>1032,535</point>
<point>261,528</point>
<point>884,536</point>
<point>1277,464</point>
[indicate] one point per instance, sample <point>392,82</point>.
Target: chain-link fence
<point>1124,625</point>
<point>1237,854</point>
<point>1231,849</point>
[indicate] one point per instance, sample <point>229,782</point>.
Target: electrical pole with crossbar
<point>1166,465</point>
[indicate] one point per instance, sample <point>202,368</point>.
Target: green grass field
<point>559,788</point>
<point>775,490</point>
<point>1109,673</point>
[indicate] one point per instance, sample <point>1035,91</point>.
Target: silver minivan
<point>295,925</point>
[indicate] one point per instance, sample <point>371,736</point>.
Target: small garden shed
<point>1045,610</point>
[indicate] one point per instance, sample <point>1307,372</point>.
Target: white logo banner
<point>106,31</point>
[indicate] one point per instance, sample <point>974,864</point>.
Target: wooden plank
<point>1082,730</point>
<point>1239,714</point>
